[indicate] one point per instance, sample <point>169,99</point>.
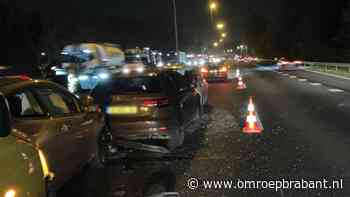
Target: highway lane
<point>306,136</point>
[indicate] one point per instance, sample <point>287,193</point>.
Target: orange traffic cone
<point>241,85</point>
<point>252,123</point>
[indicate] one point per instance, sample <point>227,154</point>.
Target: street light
<point>220,26</point>
<point>216,44</point>
<point>221,40</point>
<point>213,6</point>
<point>223,35</point>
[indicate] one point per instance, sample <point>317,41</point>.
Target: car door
<point>185,96</point>
<point>32,122</point>
<point>66,139</point>
<point>20,165</point>
<point>85,125</point>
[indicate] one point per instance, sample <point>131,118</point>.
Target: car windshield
<point>246,98</point>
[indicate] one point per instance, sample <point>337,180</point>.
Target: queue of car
<point>48,134</point>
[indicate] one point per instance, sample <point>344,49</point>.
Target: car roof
<point>146,73</point>
<point>11,83</point>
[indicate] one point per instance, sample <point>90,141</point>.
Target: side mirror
<point>88,103</point>
<point>5,123</point>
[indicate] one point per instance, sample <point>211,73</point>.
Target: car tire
<point>103,143</point>
<point>177,139</point>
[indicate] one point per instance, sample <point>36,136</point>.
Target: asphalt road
<point>306,136</point>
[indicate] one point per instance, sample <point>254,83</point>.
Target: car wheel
<point>103,147</point>
<point>177,139</point>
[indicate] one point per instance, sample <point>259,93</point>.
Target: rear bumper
<point>218,76</point>
<point>142,130</point>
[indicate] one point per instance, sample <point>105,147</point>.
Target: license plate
<point>122,110</point>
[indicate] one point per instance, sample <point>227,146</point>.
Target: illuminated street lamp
<point>223,35</point>
<point>220,26</point>
<point>216,44</point>
<point>213,6</point>
<point>221,40</point>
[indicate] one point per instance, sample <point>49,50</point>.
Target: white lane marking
<point>335,90</point>
<point>293,77</point>
<point>302,80</point>
<point>315,84</point>
<point>285,74</point>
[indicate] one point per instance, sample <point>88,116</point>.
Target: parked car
<point>21,169</point>
<point>153,105</point>
<point>215,72</point>
<point>54,120</point>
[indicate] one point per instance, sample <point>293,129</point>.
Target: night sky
<point>270,27</point>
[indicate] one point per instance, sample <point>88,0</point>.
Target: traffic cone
<point>241,85</point>
<point>252,123</point>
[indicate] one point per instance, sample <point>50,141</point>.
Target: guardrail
<point>329,66</point>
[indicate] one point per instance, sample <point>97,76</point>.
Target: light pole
<point>212,7</point>
<point>176,28</point>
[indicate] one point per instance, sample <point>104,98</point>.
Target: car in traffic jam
<point>66,134</point>
<point>215,72</point>
<point>152,105</point>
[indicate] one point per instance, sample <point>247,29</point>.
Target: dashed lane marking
<point>335,90</point>
<point>315,84</point>
<point>302,80</point>
<point>293,77</point>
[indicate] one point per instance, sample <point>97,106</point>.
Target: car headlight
<point>103,76</point>
<point>83,77</point>
<point>160,64</point>
<point>45,166</point>
<point>126,71</point>
<point>10,193</point>
<point>140,69</point>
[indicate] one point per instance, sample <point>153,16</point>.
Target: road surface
<point>306,137</point>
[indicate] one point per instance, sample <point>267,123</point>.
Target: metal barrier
<point>329,66</point>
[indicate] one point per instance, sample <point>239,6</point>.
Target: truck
<point>81,66</point>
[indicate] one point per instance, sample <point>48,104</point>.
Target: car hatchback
<point>154,106</point>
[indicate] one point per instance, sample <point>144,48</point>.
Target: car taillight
<point>159,102</point>
<point>204,70</point>
<point>223,69</point>
<point>298,62</point>
<point>94,108</point>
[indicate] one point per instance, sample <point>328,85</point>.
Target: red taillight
<point>204,70</point>
<point>155,102</point>
<point>163,129</point>
<point>94,108</point>
<point>21,77</point>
